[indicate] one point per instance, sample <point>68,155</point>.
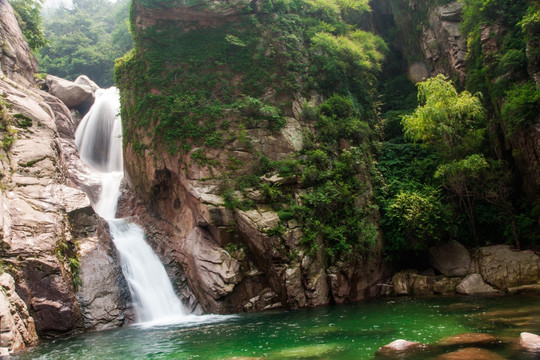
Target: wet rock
<point>295,290</point>
<point>72,95</point>
<point>103,293</point>
<point>475,285</point>
<point>451,259</point>
<point>468,339</point>
<point>470,354</point>
<point>504,268</point>
<point>530,342</point>
<point>398,348</point>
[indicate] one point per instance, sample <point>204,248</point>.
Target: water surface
<point>352,331</point>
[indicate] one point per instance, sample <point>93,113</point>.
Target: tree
<point>445,119</point>
<point>86,40</point>
<point>29,18</point>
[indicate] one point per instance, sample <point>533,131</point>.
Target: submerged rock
<point>399,347</point>
<point>530,342</point>
<point>468,339</point>
<point>471,354</point>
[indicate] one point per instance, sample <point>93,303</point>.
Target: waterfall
<point>99,140</point>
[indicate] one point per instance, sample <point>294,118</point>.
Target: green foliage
<point>521,107</point>
<point>86,40</point>
<point>67,254</point>
<point>445,119</point>
<point>418,220</point>
<point>30,21</point>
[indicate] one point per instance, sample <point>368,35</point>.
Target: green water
<point>353,331</point>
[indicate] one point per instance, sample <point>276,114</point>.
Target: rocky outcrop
<point>431,38</point>
<point>444,46</point>
<point>15,61</point>
<point>103,293</point>
<point>488,270</point>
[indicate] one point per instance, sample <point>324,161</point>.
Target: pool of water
<point>353,331</point>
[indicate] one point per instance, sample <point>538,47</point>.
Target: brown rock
<point>468,339</point>
<point>470,354</point>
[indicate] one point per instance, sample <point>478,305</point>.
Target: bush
<point>521,107</point>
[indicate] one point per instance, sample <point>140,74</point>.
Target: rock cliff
<point>49,234</point>
<point>212,155</point>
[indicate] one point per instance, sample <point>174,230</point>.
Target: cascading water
<point>99,140</point>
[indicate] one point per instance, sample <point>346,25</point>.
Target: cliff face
<point>15,61</point>
<point>215,104</point>
<point>48,231</point>
<point>433,41</point>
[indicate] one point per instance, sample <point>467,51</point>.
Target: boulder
<point>451,259</point>
<point>86,81</point>
<point>530,342</point>
<point>72,95</point>
<point>470,354</point>
<point>468,339</point>
<point>504,268</point>
<point>475,285</point>
<point>398,347</point>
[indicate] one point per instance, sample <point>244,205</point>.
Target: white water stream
<point>99,140</point>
